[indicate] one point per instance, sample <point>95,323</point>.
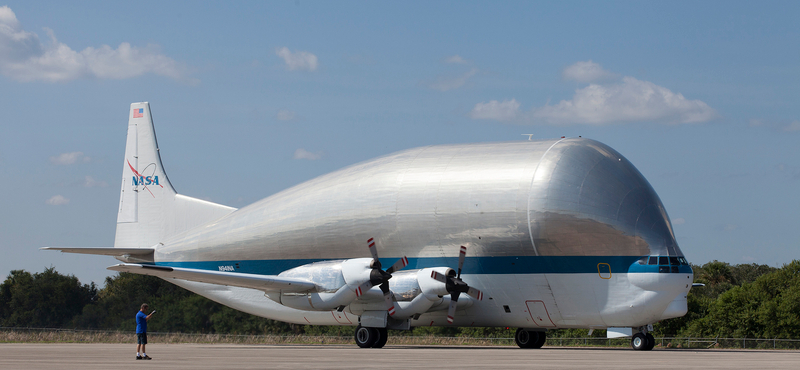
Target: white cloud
<point>585,72</point>
<point>678,221</point>
<point>792,127</point>
<point>66,159</point>
<point>776,125</point>
<point>730,227</point>
<point>301,153</point>
<point>57,200</point>
<point>455,59</point>
<point>631,100</point>
<point>90,182</point>
<point>297,61</point>
<point>25,58</point>
<point>495,110</point>
<point>285,115</point>
<point>444,84</point>
<point>625,100</point>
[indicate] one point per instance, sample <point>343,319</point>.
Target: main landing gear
<point>530,339</point>
<point>643,341</point>
<point>371,337</point>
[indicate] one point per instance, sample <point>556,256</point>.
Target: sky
<point>250,98</point>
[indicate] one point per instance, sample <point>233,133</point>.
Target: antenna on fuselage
<point>529,136</point>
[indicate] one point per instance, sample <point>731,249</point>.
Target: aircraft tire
<point>383,336</point>
<point>528,339</point>
<point>366,337</point>
<point>540,340</point>
<point>639,342</point>
<point>651,341</point>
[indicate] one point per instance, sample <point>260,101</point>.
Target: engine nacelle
<point>336,283</point>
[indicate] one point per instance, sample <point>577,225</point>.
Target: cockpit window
<point>665,263</point>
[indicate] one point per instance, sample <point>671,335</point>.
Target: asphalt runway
<point>213,356</point>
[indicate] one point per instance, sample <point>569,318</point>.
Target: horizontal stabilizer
<point>266,283</point>
<point>104,251</point>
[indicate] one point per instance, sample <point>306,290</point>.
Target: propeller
<point>455,286</point>
<point>380,277</point>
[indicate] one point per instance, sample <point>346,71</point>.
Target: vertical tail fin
<point>149,207</point>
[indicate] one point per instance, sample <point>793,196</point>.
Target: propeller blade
<point>363,288</point>
<point>475,293</point>
<point>391,309</point>
<point>451,312</point>
<point>403,262</point>
<point>461,255</point>
<point>373,249</point>
<point>438,277</point>
<point>387,297</point>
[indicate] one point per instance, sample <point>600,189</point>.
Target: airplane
<point>537,235</point>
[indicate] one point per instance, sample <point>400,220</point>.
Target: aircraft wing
<point>104,251</point>
<point>266,283</point>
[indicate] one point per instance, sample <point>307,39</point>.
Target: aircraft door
<point>539,314</point>
<point>341,317</point>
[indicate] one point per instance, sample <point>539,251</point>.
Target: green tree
<point>766,308</point>
<point>179,310</point>
<point>42,300</point>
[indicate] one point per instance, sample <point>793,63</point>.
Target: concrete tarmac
<point>224,356</point>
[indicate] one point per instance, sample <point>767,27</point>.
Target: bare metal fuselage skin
<point>556,230</point>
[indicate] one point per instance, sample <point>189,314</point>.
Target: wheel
<point>529,339</point>
<point>651,341</point>
<point>524,338</point>
<point>542,337</point>
<point>383,336</point>
<point>639,342</point>
<point>366,337</point>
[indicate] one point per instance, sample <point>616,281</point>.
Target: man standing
<point>141,332</point>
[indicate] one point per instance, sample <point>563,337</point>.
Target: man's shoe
<point>138,357</point>
<point>146,357</point>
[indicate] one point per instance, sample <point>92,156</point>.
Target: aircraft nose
<point>587,199</point>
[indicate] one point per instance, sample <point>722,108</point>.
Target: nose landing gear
<point>643,341</point>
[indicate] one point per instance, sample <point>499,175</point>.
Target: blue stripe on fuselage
<point>472,265</point>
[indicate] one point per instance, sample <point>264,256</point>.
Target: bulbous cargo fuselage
<point>558,228</point>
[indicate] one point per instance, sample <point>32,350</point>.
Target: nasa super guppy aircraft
<point>539,235</point>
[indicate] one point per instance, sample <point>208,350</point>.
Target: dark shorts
<point>142,338</point>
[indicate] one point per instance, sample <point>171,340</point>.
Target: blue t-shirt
<point>141,322</point>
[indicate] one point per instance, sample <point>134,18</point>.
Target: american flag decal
<point>138,113</point>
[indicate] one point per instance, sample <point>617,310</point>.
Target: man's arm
<point>148,316</point>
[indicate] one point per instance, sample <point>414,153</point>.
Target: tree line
<point>746,300</point>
